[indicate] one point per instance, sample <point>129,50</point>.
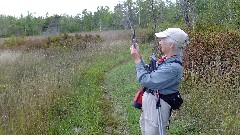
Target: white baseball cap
<point>176,34</point>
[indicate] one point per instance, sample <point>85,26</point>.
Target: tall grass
<point>57,90</point>
<point>29,86</point>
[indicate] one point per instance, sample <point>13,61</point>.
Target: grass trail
<point>89,108</point>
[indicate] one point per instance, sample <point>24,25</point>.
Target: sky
<point>41,7</point>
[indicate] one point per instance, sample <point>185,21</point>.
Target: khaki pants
<point>149,117</point>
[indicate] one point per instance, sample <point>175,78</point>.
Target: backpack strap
<point>175,61</point>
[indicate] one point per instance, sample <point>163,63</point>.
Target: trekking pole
<point>134,40</point>
<point>158,107</point>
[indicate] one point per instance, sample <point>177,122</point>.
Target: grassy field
<point>70,87</point>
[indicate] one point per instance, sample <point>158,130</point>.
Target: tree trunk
<point>185,12</point>
<point>193,14</point>
<point>155,26</point>
<point>229,10</point>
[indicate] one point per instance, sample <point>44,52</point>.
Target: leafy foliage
<point>218,50</point>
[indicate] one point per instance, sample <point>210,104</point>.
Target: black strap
<point>175,61</point>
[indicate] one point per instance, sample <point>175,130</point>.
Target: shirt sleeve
<point>162,78</point>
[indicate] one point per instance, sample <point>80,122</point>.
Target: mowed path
<point>8,56</point>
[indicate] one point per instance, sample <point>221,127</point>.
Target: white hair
<point>178,46</point>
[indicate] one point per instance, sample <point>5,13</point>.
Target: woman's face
<point>165,47</point>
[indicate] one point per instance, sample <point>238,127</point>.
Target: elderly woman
<point>163,82</point>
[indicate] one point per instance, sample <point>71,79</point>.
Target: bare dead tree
<point>154,27</point>
<point>185,13</point>
<point>193,14</point>
<point>229,10</point>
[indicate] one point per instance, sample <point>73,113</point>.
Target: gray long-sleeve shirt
<point>166,78</point>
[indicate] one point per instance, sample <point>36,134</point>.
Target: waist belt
<point>150,91</point>
<point>161,95</point>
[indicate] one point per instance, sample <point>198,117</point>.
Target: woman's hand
<point>134,49</point>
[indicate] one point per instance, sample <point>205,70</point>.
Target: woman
<point>165,80</point>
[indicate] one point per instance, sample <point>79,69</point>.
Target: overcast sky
<point>41,7</point>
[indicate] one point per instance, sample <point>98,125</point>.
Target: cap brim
<point>160,35</point>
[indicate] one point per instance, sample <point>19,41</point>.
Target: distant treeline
<point>193,14</point>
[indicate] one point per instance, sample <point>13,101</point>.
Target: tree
<point>103,18</point>
<point>118,16</point>
<point>87,20</point>
<point>144,13</point>
<point>198,14</point>
<point>185,11</point>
